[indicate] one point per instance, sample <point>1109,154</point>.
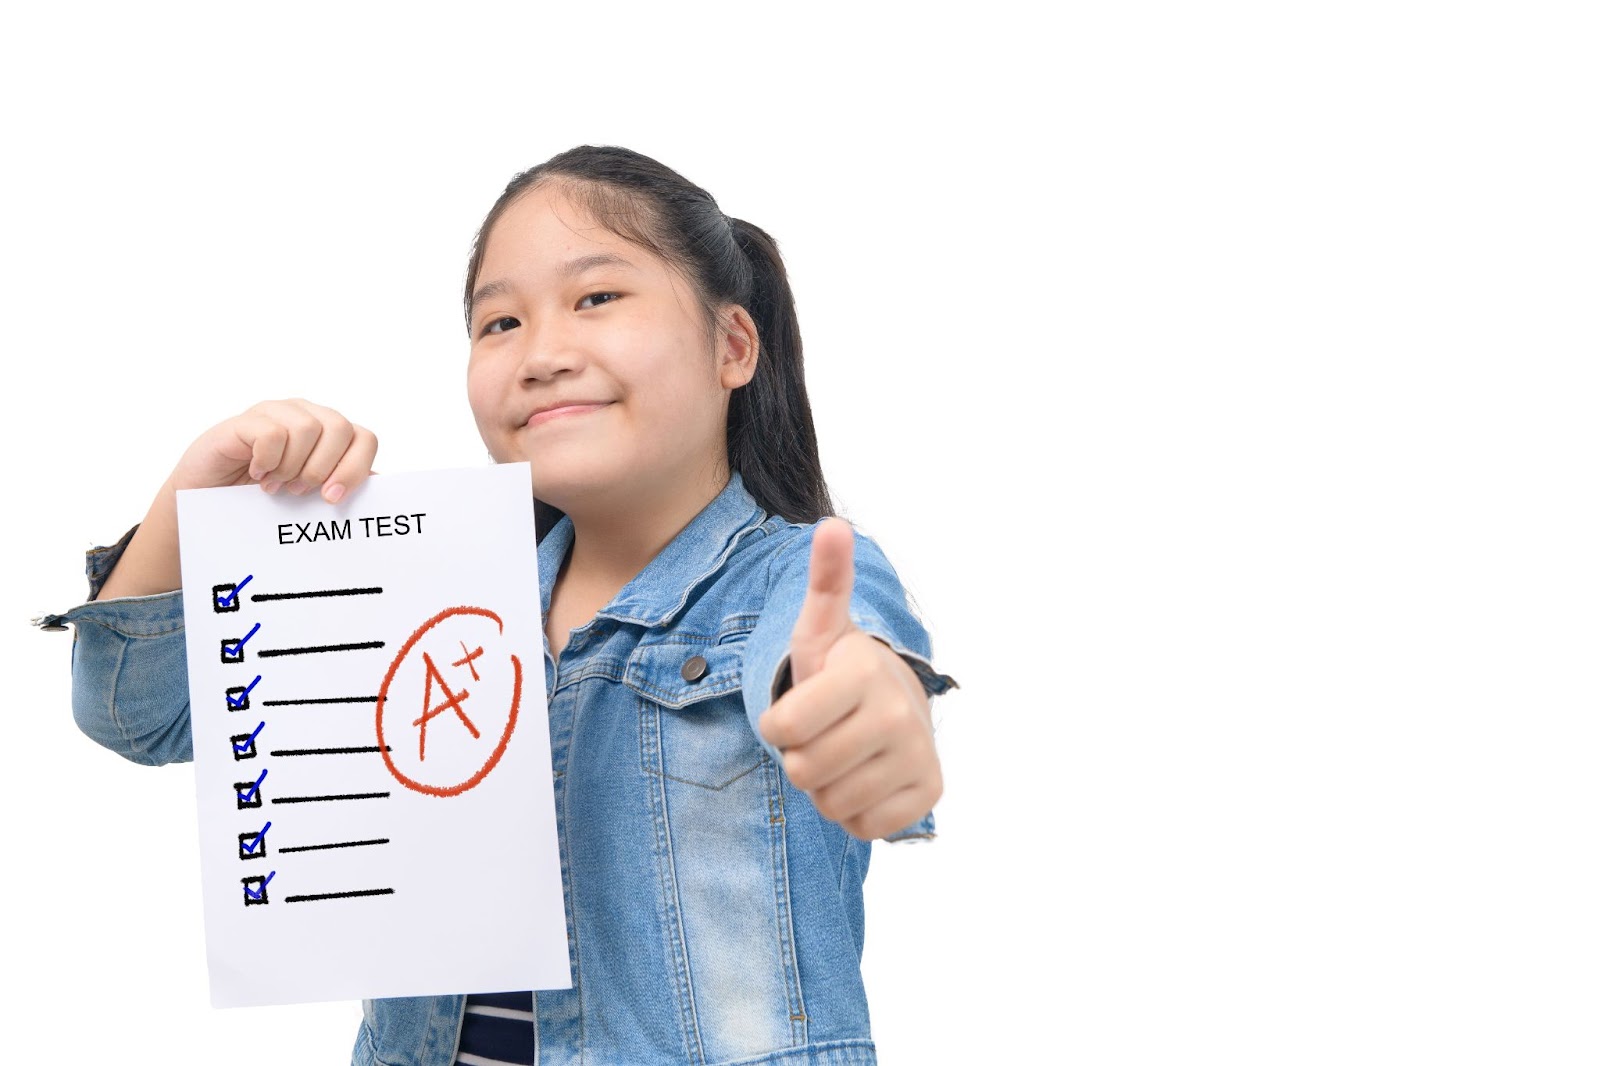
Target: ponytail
<point>772,441</point>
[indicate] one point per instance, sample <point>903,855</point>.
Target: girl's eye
<point>498,325</point>
<point>599,297</point>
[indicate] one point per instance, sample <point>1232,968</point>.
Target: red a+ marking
<point>466,659</point>
<point>452,703</point>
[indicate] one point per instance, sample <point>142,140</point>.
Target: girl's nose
<point>547,350</point>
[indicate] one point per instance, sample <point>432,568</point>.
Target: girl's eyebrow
<point>570,269</point>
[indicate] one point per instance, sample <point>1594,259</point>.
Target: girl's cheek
<point>481,387</point>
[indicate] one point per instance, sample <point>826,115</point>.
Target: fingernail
<point>298,487</point>
<point>272,487</point>
<point>333,492</point>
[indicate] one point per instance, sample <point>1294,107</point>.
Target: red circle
<point>511,719</point>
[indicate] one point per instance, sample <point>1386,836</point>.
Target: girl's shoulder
<point>775,568</point>
<point>781,552</point>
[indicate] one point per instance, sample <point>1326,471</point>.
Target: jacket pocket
<point>692,726</point>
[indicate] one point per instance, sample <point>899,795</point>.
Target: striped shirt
<point>497,1030</point>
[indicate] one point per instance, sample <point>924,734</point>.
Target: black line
<point>329,751</point>
<point>267,653</point>
<point>346,796</point>
<point>341,844</point>
<point>268,596</point>
<point>340,895</point>
<point>327,699</point>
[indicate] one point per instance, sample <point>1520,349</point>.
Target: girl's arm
<point>130,688</point>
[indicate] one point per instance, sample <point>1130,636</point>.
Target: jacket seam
<point>658,618</point>
<point>805,1051</point>
<point>778,834</point>
<point>372,1046</point>
<point>694,1047</point>
<point>119,631</point>
<point>115,718</point>
<point>435,1014</point>
<point>609,668</point>
<point>729,683</point>
<point>740,776</point>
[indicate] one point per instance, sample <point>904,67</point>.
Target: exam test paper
<point>372,754</point>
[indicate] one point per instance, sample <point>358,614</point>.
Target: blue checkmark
<point>253,894</point>
<point>257,841</point>
<point>244,697</point>
<point>238,645</point>
<point>246,797</point>
<point>227,601</point>
<point>242,748</point>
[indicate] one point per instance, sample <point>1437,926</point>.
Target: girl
<point>738,692</point>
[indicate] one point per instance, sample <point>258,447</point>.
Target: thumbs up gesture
<point>854,729</point>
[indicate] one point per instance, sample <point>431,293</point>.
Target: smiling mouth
<point>566,411</point>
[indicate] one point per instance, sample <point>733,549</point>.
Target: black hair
<point>772,443</point>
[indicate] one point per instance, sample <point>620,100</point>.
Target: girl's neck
<point>611,546</point>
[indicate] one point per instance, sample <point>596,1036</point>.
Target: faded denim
<point>714,916</point>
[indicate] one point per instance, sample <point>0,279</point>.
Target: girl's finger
<point>893,813</point>
<point>266,440</point>
<point>332,442</point>
<point>810,707</point>
<point>866,787</point>
<point>354,466</point>
<point>304,428</point>
<point>837,750</point>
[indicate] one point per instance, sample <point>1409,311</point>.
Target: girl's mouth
<point>550,414</point>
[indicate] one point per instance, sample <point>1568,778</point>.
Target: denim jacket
<point>713,915</point>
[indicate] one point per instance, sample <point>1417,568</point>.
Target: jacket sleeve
<point>130,676</point>
<point>878,606</point>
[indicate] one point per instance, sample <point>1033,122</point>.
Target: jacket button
<point>694,669</point>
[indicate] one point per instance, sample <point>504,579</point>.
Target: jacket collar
<point>659,592</point>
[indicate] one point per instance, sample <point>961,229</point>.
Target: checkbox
<point>239,695</point>
<point>253,845</point>
<point>248,793</point>
<point>255,889</point>
<point>244,746</point>
<point>225,598</point>
<point>233,650</point>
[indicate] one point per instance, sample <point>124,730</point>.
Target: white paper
<point>438,872</point>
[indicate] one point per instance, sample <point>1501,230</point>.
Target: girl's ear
<point>738,347</point>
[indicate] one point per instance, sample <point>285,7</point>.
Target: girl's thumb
<point>825,615</point>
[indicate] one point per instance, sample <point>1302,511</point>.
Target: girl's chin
<point>565,486</point>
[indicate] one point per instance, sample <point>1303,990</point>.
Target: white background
<point>1219,377</point>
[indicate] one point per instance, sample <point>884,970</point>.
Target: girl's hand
<point>291,444</point>
<point>855,729</point>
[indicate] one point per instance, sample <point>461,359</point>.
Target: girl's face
<point>590,359</point>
